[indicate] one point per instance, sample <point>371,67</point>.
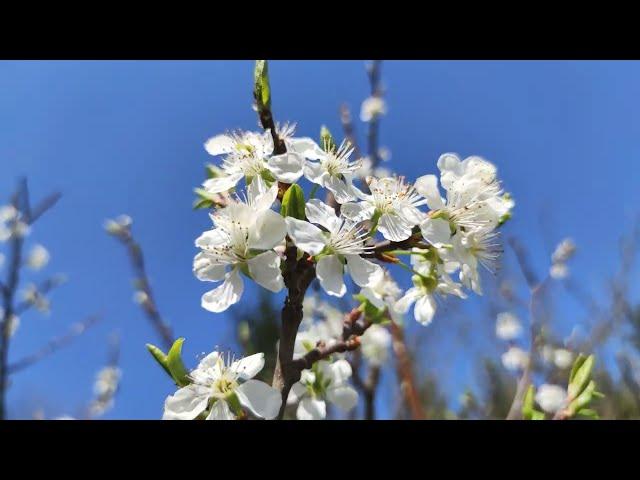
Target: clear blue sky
<point>127,137</point>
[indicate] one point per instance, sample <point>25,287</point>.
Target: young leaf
<point>159,357</point>
<point>293,203</point>
<point>262,91</point>
<point>581,377</point>
<point>527,403</point>
<point>576,365</point>
<point>175,365</point>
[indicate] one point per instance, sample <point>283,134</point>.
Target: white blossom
<point>14,322</point>
<point>118,225</point>
<point>324,382</point>
<point>11,223</point>
<point>561,255</point>
<point>551,398</point>
<point>375,343</point>
<point>219,385</point>
<point>508,326</point>
<point>562,358</point>
<point>392,202</point>
<point>515,359</point>
<point>38,257</point>
<point>431,280</point>
<point>334,171</point>
<point>32,296</point>
<point>384,293</point>
<point>340,246</point>
<point>372,108</point>
<point>240,230</point>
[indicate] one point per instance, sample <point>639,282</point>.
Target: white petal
<point>207,271</point>
<point>186,404</point>
<point>265,270</point>
<point>220,411</point>
<point>357,211</point>
<point>248,367</point>
<point>287,167</point>
<point>212,238</point>
<point>345,397</point>
<point>373,297</point>
<point>222,297</point>
<point>319,212</point>
<point>427,186</point>
<point>259,195</point>
<point>330,272</point>
<point>436,231</point>
<point>425,309</point>
<point>407,300</point>
<point>450,169</point>
<point>306,147</point>
<point>269,230</point>
<point>311,409</point>
<point>314,172</point>
<point>306,236</point>
<point>342,191</point>
<point>220,144</point>
<point>394,228</point>
<point>212,361</point>
<point>363,272</point>
<point>222,184</point>
<point>261,399</point>
<point>338,372</point>
<point>297,392</point>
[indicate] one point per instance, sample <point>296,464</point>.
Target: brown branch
<point>405,373</point>
<point>349,130</point>
<point>374,124</point>
<point>54,345</point>
<point>148,303</point>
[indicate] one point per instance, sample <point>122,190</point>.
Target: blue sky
<point>127,137</point>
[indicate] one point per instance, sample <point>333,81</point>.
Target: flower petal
<point>265,270</point>
<point>363,272</point>
<point>306,147</point>
<point>269,230</point>
<point>357,211</point>
<point>222,184</point>
<point>427,186</point>
<point>345,397</point>
<point>248,367</point>
<point>408,299</point>
<point>319,212</point>
<point>259,195</point>
<point>425,309</point>
<point>306,236</point>
<point>187,403</point>
<point>261,399</point>
<point>311,409</point>
<point>207,271</point>
<point>220,411</point>
<point>287,167</point>
<point>222,297</point>
<point>342,191</point>
<point>297,392</point>
<point>436,231</point>
<point>394,228</point>
<point>330,272</point>
<point>220,144</point>
<point>338,372</point>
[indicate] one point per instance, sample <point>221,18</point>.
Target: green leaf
<point>175,365</point>
<point>537,415</point>
<point>583,399</point>
<point>262,90</point>
<point>293,203</point>
<point>581,377</point>
<point>327,142</point>
<point>576,365</point>
<point>589,413</point>
<point>527,403</point>
<point>159,357</point>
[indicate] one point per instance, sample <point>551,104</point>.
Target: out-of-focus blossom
<point>508,326</point>
<point>118,225</point>
<point>32,296</point>
<point>551,398</point>
<point>562,358</point>
<point>38,257</point>
<point>375,343</point>
<point>561,255</point>
<point>515,359</point>
<point>372,108</point>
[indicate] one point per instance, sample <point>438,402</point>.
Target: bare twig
<point>374,124</point>
<point>54,345</point>
<point>147,301</point>
<point>404,370</point>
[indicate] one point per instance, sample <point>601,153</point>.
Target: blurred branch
<point>24,214</point>
<point>404,369</point>
<point>147,301</point>
<point>349,130</point>
<point>373,71</point>
<point>54,345</point>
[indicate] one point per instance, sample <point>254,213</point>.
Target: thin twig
<point>54,345</point>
